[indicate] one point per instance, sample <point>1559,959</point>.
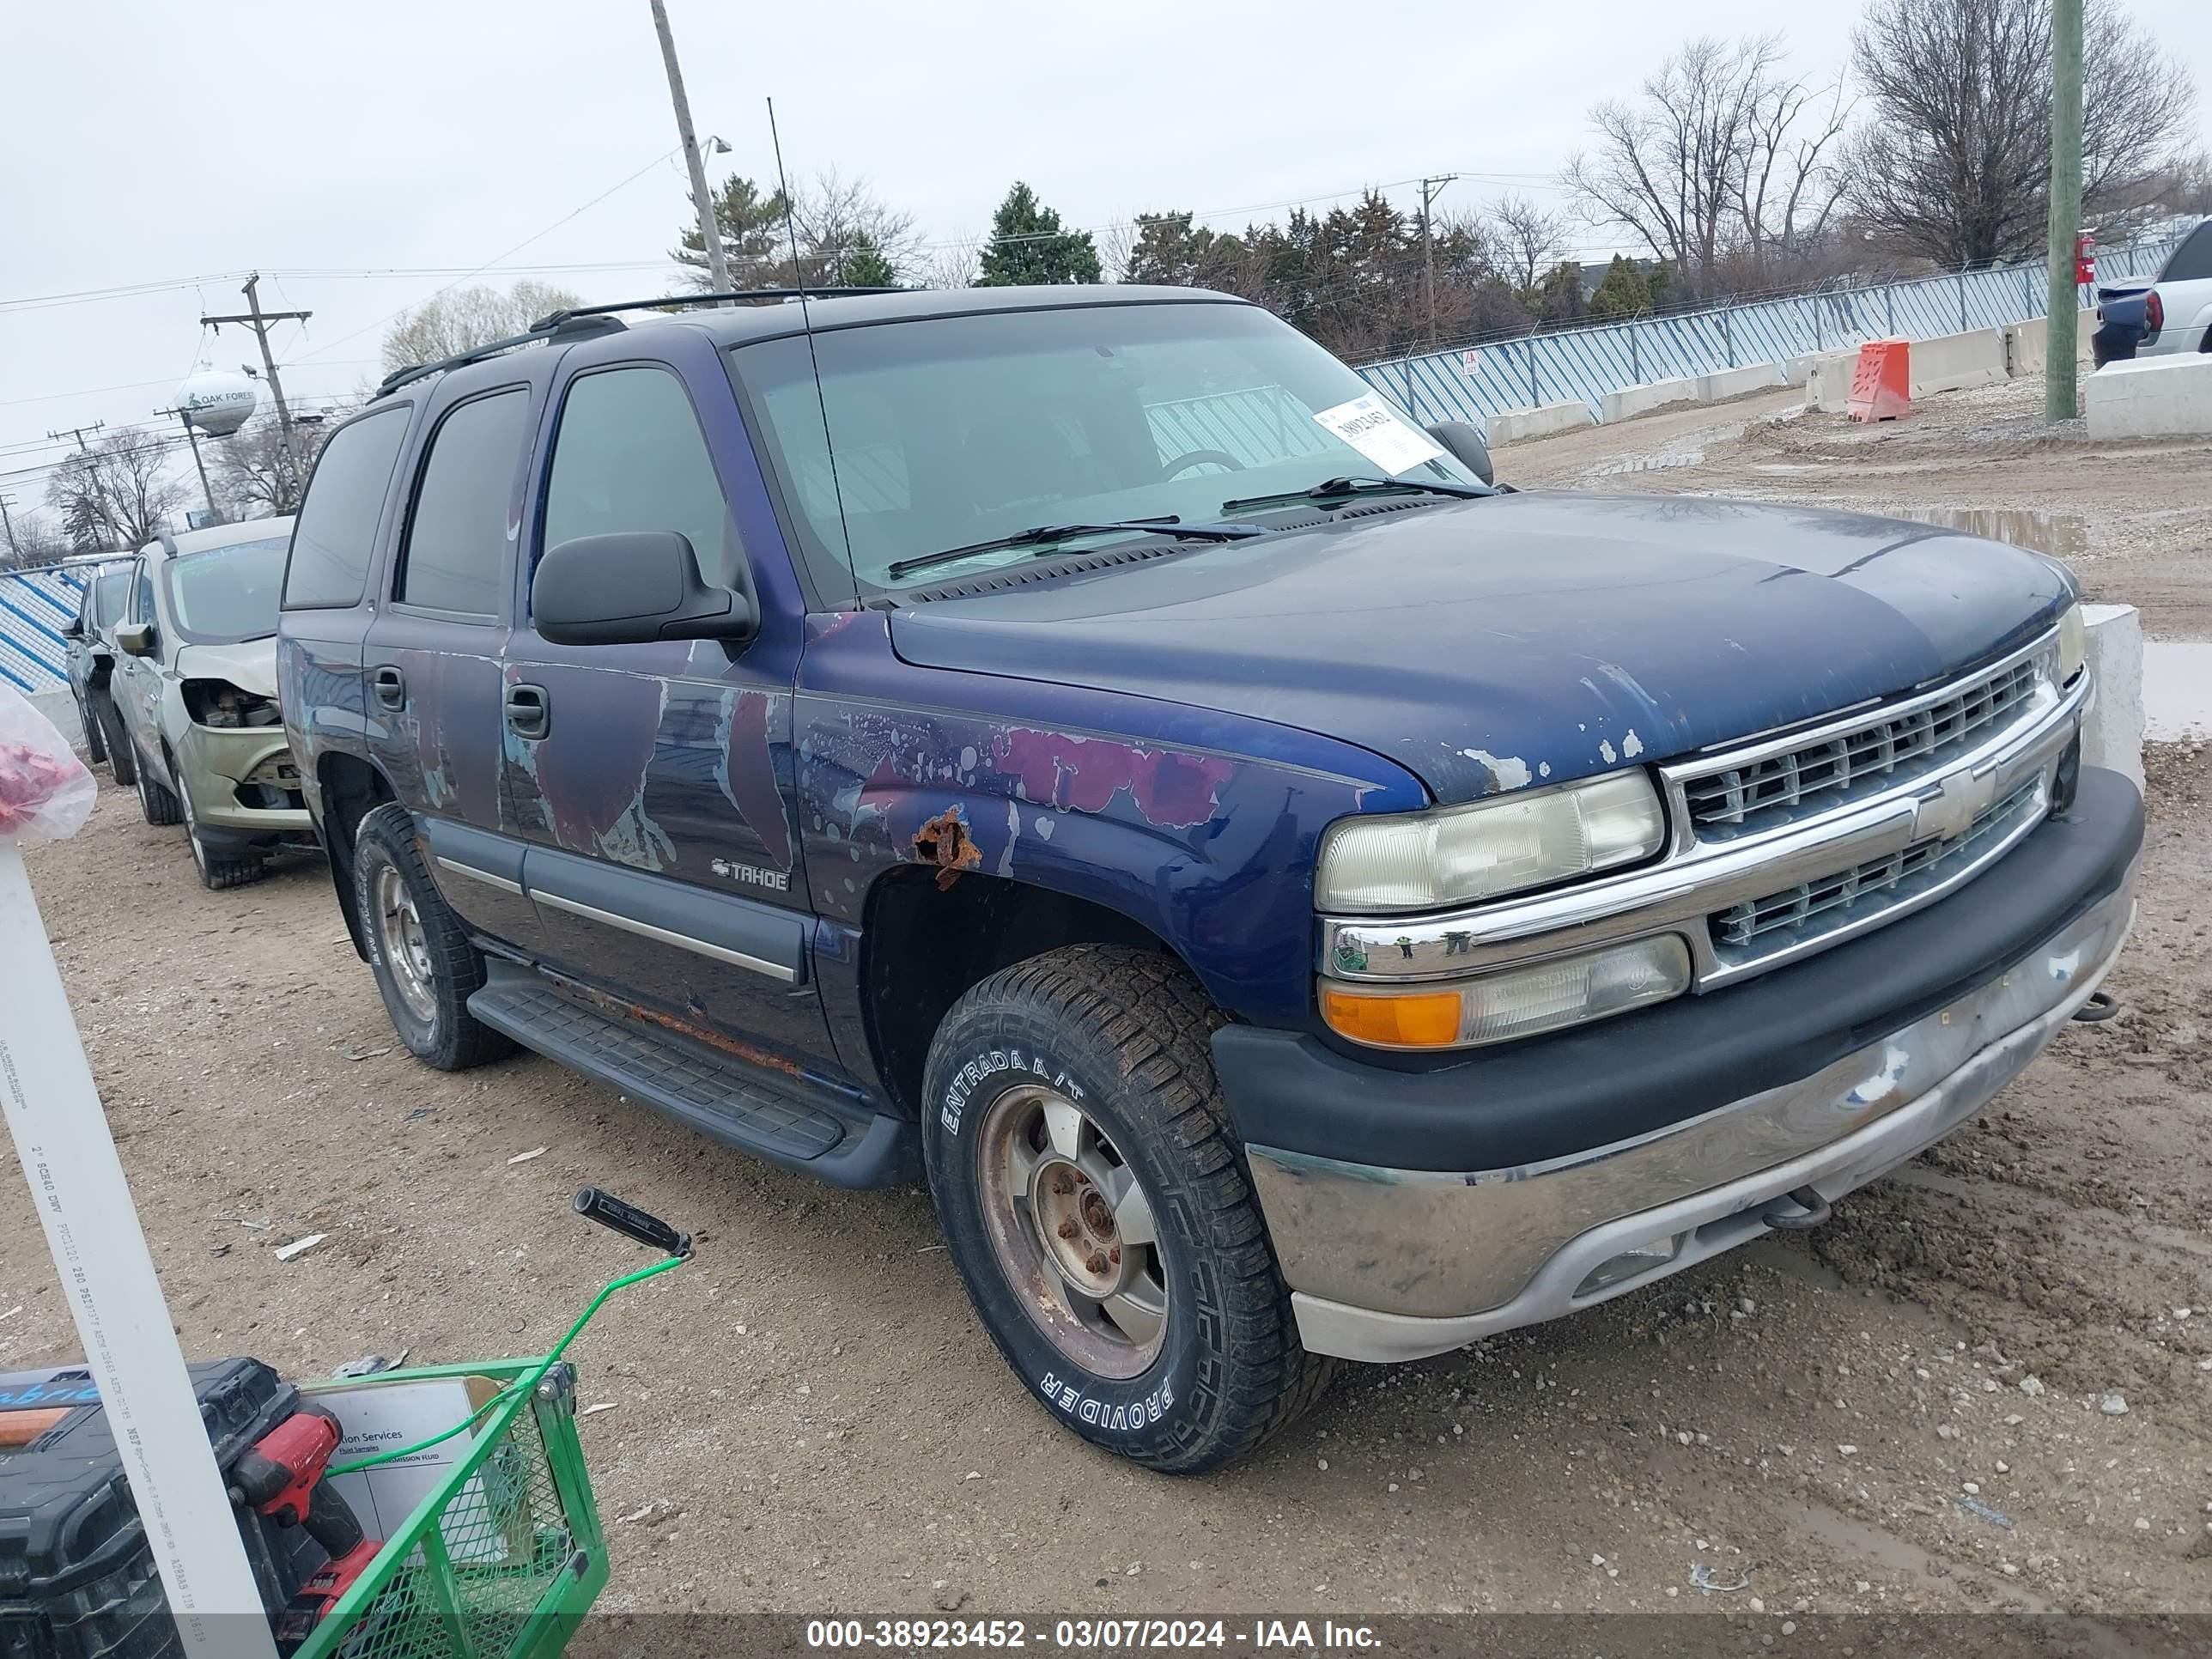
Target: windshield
<point>109,590</point>
<point>227,594</point>
<point>957,430</point>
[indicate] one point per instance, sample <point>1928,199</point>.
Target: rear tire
<point>426,969</point>
<point>224,867</point>
<point>94,745</point>
<point>155,800</point>
<point>1096,1204</point>
<point>115,739</point>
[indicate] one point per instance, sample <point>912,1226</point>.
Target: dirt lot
<point>2134,520</point>
<point>1908,1411</point>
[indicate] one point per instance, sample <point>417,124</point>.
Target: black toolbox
<point>77,1580</point>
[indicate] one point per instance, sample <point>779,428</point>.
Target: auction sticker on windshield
<point>1380,433</point>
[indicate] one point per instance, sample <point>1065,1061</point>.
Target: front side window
<point>337,527</point>
<point>940,433</point>
<point>456,553</point>
<point>224,595</point>
<point>104,602</point>
<point>629,456</point>
<point>142,593</point>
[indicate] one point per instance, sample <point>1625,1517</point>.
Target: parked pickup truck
<point>2171,314</point>
<point>1083,749</point>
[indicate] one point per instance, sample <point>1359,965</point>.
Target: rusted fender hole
<point>945,841</point>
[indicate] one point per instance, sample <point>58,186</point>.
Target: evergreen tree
<point>1623,293</point>
<point>1028,245</point>
<point>865,264</point>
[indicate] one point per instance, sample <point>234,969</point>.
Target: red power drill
<point>281,1476</point>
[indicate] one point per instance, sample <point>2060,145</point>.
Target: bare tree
<point>118,493</point>
<point>836,216</point>
<point>1956,164</point>
<point>37,541</point>
<point>1526,239</point>
<point>462,318</point>
<point>954,264</point>
<point>252,477</point>
<point>1722,157</point>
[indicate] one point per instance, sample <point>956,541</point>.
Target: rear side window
<point>2192,260</point>
<point>456,542</point>
<point>336,526</point>
<point>629,456</point>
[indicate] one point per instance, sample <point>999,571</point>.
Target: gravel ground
<point>1914,1409</point>
<point>2133,519</point>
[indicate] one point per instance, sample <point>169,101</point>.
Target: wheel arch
<point>350,788</point>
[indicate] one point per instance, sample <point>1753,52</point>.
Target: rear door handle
<point>391,686</point>
<point>528,712</point>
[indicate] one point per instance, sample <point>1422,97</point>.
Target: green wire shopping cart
<point>504,1557</point>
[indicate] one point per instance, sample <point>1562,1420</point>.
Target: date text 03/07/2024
<point>1084,1635</point>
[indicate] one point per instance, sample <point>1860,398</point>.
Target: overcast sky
<point>151,141</point>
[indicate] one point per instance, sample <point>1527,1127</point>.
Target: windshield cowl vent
<point>1030,575</point>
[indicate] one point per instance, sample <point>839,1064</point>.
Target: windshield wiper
<point>1043,535</point>
<point>1335,488</point>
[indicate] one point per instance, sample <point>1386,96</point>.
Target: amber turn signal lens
<point>1424,1020</point>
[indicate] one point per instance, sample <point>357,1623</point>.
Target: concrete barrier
<point>1953,362</point>
<point>60,707</point>
<point>1636,399</point>
<point>1514,426</point>
<point>2026,344</point>
<point>2112,736</point>
<point>1828,380</point>
<point>2150,398</point>
<point>1724,384</point>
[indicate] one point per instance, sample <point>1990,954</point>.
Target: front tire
<point>220,868</point>
<point>1097,1207</point>
<point>425,967</point>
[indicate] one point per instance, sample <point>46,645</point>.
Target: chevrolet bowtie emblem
<point>1950,811</point>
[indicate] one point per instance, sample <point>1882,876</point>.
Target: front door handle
<point>528,712</point>
<point>391,686</point>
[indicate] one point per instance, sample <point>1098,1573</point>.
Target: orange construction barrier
<point>1881,384</point>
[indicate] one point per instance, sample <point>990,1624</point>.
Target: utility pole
<point>192,437</point>
<point>2059,380</point>
<point>258,321</point>
<point>1430,189</point>
<point>8,525</point>
<point>77,433</point>
<point>717,271</point>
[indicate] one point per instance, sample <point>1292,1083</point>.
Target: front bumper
<point>215,763</point>
<point>1390,1263</point>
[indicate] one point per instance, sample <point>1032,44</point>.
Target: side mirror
<point>630,589</point>
<point>73,629</point>
<point>1464,445</point>
<point>136,639</point>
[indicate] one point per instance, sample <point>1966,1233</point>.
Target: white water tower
<point>216,401</point>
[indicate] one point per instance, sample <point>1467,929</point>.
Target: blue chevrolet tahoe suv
<point>1083,749</point>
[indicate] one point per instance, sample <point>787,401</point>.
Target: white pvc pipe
<point>107,1273</point>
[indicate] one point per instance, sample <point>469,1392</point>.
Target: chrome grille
<point>1887,751</point>
<point>1747,931</point>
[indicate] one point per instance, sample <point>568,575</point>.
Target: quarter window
<point>337,527</point>
<point>629,456</point>
<point>456,542</point>
<point>2192,260</point>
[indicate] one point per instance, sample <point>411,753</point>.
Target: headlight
<point>2072,643</point>
<point>1518,1002</point>
<point>1424,860</point>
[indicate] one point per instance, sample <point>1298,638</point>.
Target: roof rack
<point>583,322</point>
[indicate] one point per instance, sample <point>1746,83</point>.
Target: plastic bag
<point>46,791</point>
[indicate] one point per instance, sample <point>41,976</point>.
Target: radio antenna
<point>806,325</point>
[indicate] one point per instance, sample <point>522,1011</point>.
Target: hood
<point>1525,638</point>
<point>251,666</point>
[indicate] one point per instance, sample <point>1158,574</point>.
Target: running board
<point>719,1095</point>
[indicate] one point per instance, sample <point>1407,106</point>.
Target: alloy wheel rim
<point>406,951</point>
<point>1073,1229</point>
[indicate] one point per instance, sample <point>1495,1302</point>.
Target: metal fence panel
<point>1473,383</point>
<point>34,606</point>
